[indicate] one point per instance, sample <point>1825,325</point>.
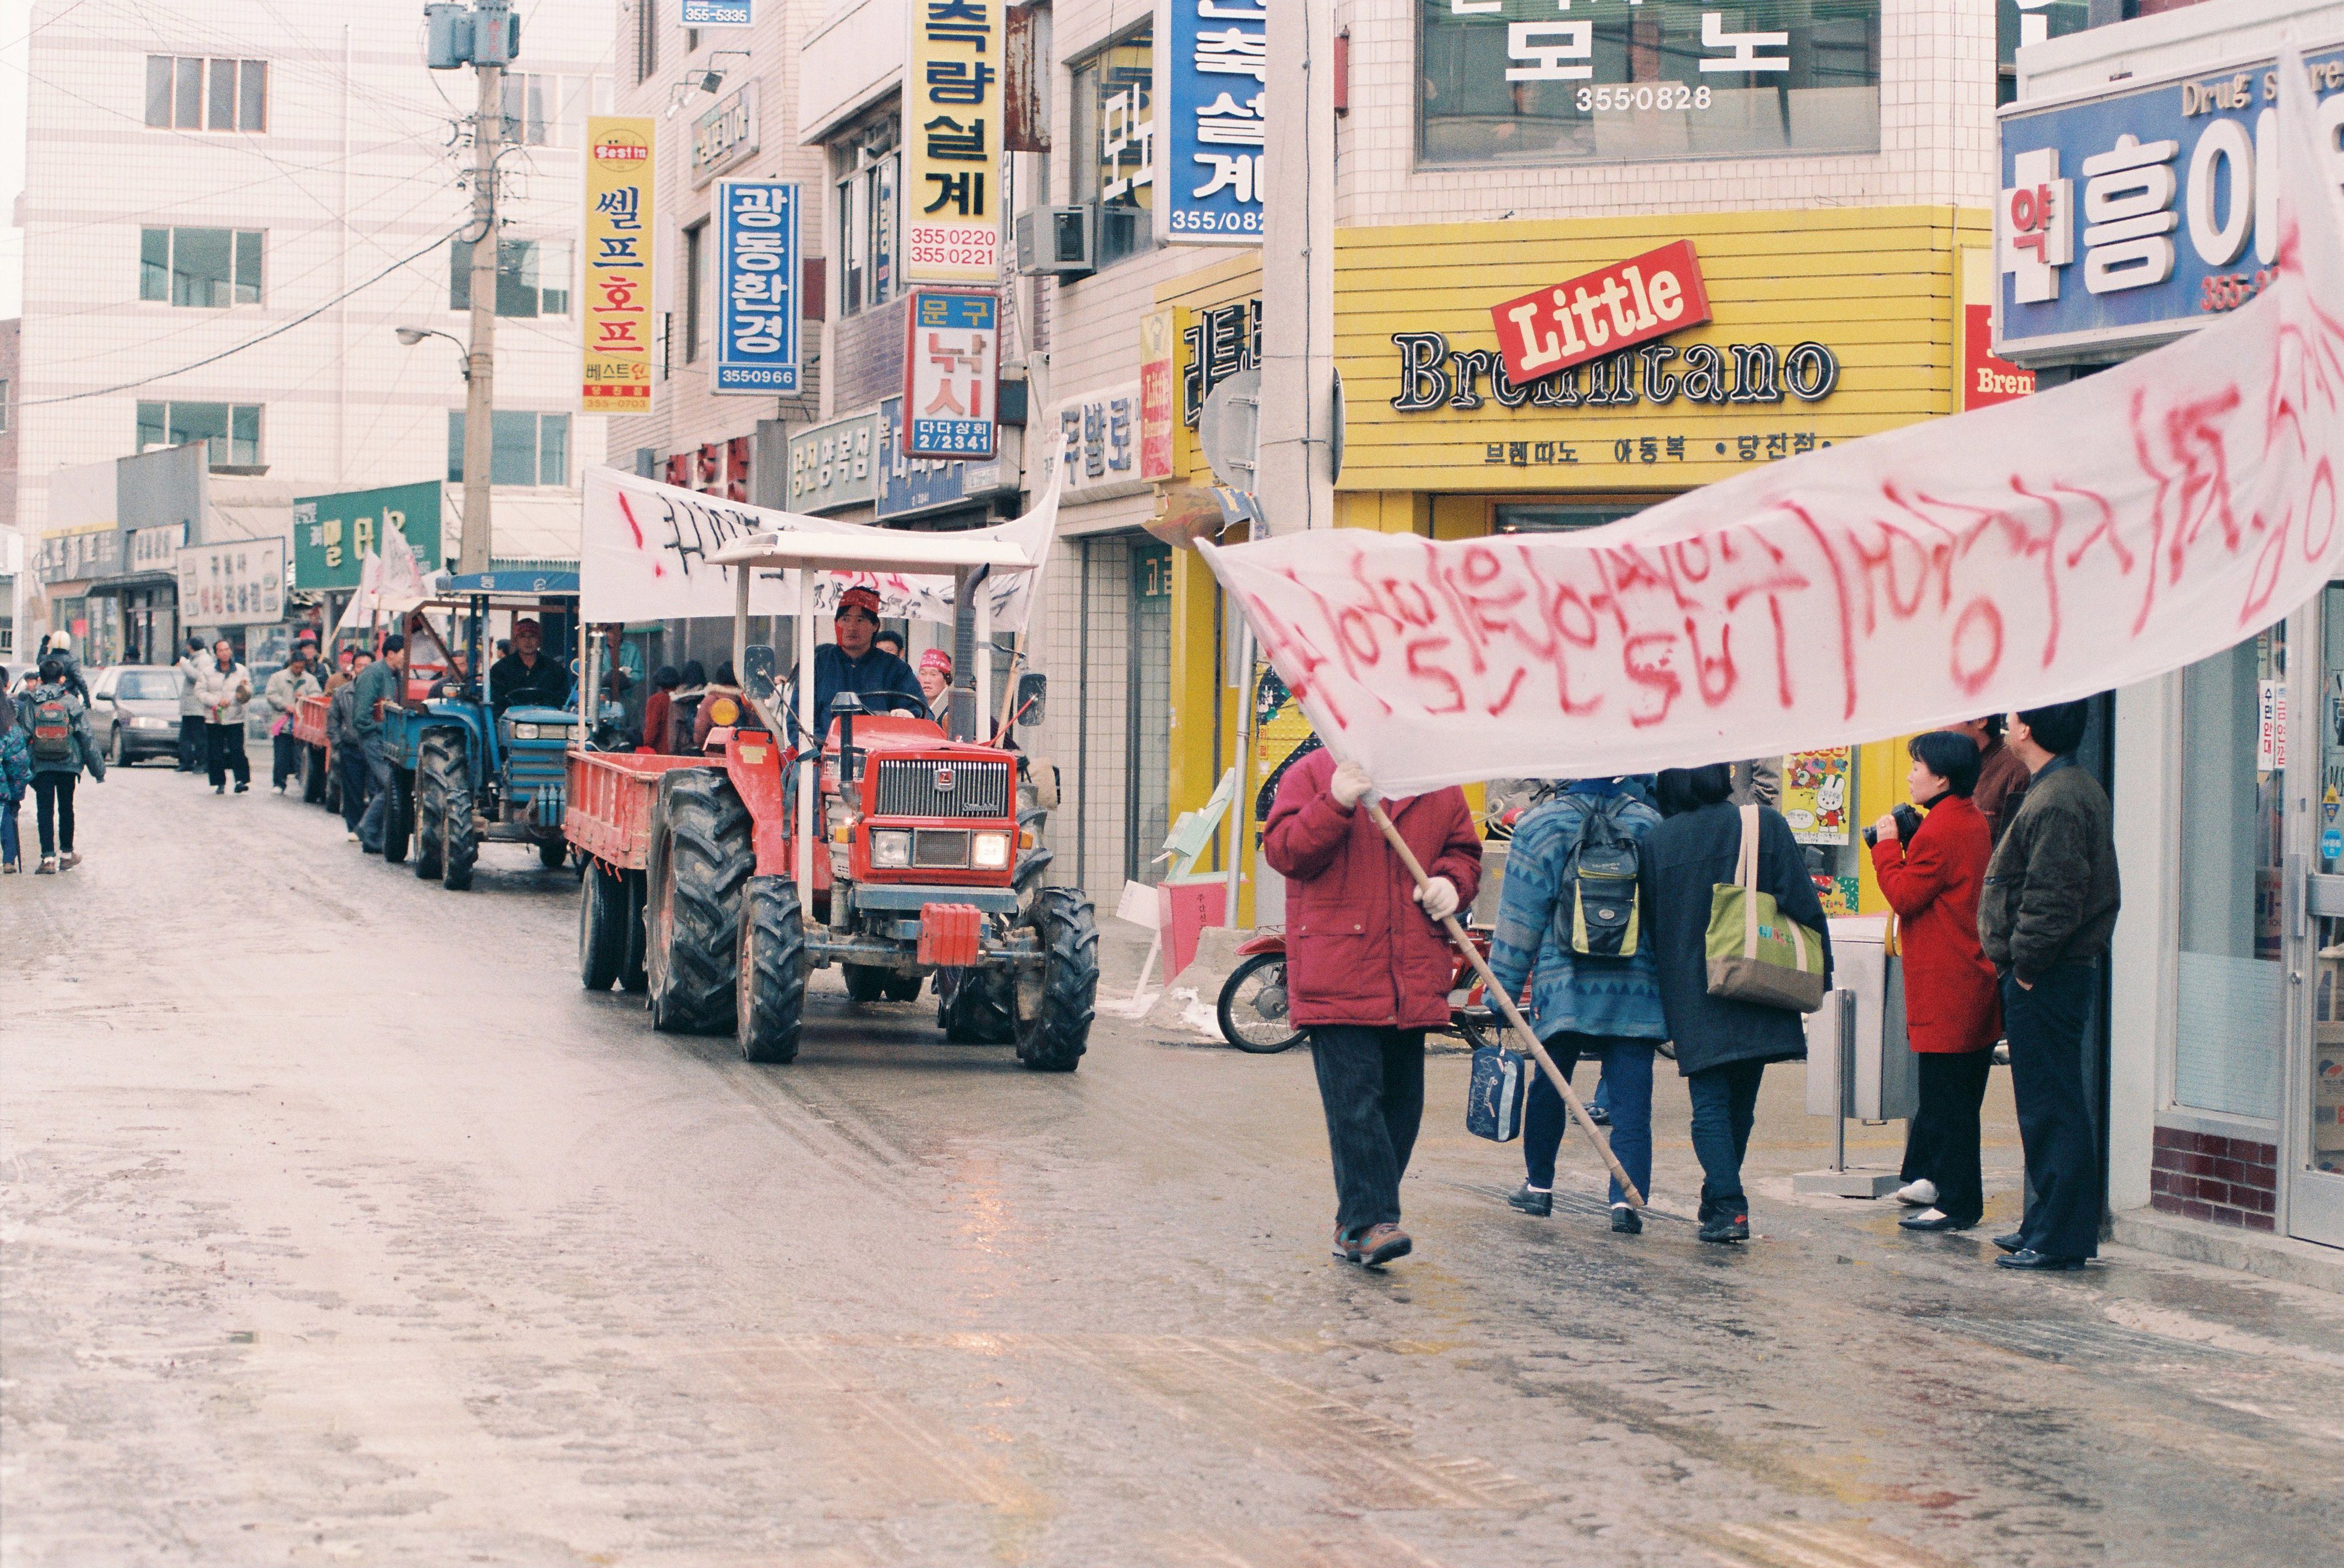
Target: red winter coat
<point>1951,1005</point>
<point>1359,947</point>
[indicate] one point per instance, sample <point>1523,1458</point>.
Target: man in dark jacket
<point>2048,912</point>
<point>1367,971</point>
<point>855,663</point>
<point>2001,777</point>
<point>526,676</point>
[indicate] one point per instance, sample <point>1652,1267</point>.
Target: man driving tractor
<point>853,664</point>
<point>526,676</point>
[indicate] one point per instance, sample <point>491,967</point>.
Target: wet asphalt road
<point>342,1225</point>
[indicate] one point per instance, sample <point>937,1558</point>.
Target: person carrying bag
<point>1755,954</point>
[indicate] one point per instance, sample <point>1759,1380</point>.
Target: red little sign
<point>1601,312</point>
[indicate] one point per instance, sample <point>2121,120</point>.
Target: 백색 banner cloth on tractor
<point>2036,552</point>
<point>644,549</point>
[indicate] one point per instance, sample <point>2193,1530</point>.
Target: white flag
<point>2037,552</point>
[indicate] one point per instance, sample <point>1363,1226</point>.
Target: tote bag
<point>1755,952</point>
<point>1493,1105</point>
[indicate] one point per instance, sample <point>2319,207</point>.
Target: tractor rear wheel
<point>553,852</point>
<point>703,858</point>
<point>431,773</point>
<point>601,928</point>
<point>1054,1009</point>
<point>770,1007</point>
<point>398,816</point>
<point>332,797</point>
<point>460,834</point>
<point>313,774</point>
<point>866,982</point>
<point>978,1007</point>
<point>903,987</point>
<point>631,977</point>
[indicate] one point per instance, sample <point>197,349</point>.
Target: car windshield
<point>147,685</point>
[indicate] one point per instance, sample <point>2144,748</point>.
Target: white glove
<point>1439,897</point>
<point>1350,785</point>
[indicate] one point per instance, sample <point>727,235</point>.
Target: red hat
<point>936,659</point>
<point>865,599</point>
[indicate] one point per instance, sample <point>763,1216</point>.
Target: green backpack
<point>1599,885</point>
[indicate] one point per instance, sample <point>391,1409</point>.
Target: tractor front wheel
<point>601,928</point>
<point>431,773</point>
<point>770,1007</point>
<point>398,816</point>
<point>460,834</point>
<point>977,1006</point>
<point>1054,1008</point>
<point>704,857</point>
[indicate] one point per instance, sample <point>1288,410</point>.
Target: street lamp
<point>411,336</point>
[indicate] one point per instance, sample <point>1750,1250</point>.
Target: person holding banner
<point>1367,971</point>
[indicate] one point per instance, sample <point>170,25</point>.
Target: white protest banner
<point>645,546</point>
<point>2032,553</point>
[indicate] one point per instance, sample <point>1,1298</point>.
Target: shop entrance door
<point>1147,712</point>
<point>2311,1146</point>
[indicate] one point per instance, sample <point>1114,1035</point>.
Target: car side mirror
<point>757,672</point>
<point>1032,687</point>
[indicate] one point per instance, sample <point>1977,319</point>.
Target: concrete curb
<point>2272,1257</point>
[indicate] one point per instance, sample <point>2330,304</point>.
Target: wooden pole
<point>1505,1005</point>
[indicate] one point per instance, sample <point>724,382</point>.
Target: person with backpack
<point>225,689</point>
<point>1569,924</point>
<point>15,777</point>
<point>57,724</point>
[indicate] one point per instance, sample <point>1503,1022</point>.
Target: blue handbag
<point>1493,1105</point>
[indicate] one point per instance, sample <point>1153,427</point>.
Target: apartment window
<point>524,448</point>
<point>532,277</point>
<point>207,267</point>
<point>188,93</point>
<point>230,430</point>
<point>695,264</point>
<point>867,217</point>
<point>1115,143</point>
<point>532,110</point>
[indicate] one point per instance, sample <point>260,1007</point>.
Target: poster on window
<point>1210,72</point>
<point>952,122</point>
<point>617,341</point>
<point>951,368</point>
<point>757,317</point>
<point>237,584</point>
<point>1816,788</point>
<point>1634,81</point>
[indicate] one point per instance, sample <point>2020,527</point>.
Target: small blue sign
<point>1208,106</point>
<point>717,13</point>
<point>2331,844</point>
<point>757,315</point>
<point>909,485</point>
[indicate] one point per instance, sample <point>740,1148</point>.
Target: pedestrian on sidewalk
<point>57,724</point>
<point>225,689</point>
<point>1952,1017</point>
<point>1581,1005</point>
<point>190,669</point>
<point>2001,777</point>
<point>284,693</point>
<point>1723,1043</point>
<point>2048,909</point>
<point>347,746</point>
<point>15,777</point>
<point>375,692</point>
<point>1368,970</point>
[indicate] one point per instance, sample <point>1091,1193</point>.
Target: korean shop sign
<point>1601,312</point>
<point>834,465</point>
<point>911,487</point>
<point>238,584</point>
<point>725,134</point>
<point>718,13</point>
<point>951,367</point>
<point>1097,437</point>
<point>1211,62</point>
<point>333,534</point>
<point>2126,219</point>
<point>617,347</point>
<point>951,120</point>
<point>757,317</point>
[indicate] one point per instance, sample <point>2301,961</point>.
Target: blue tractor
<point>462,774</point>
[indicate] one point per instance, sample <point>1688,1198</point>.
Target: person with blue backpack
<point>15,775</point>
<point>1570,925</point>
<point>56,725</point>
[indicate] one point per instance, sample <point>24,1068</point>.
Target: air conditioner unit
<point>1062,241</point>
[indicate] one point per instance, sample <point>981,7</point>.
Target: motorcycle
<point>1253,1002</point>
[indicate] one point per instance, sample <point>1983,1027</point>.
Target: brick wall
<point>2224,1180</point>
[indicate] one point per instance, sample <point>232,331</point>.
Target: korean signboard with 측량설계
<point>757,315</point>
<point>952,124</point>
<point>1212,61</point>
<point>333,535</point>
<point>2127,219</point>
<point>617,344</point>
<point>241,583</point>
<point>951,366</point>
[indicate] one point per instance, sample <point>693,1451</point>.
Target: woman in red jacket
<point>1951,1010</point>
<point>1368,972</point>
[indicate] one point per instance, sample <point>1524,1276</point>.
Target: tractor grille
<point>907,787</point>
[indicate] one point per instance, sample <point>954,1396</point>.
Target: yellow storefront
<point>1822,327</point>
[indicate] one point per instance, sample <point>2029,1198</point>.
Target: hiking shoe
<point>1727,1225</point>
<point>1626,1221</point>
<point>48,866</point>
<point>1531,1201</point>
<point>1346,1245</point>
<point>1920,1194</point>
<point>2013,1242</point>
<point>67,861</point>
<point>1384,1243</point>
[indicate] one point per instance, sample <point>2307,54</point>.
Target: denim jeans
<point>350,758</point>
<point>377,810</point>
<point>1626,1092</point>
<point>11,851</point>
<point>1724,1101</point>
<point>2046,1025</point>
<point>1372,1083</point>
<point>54,794</point>
<point>1942,1145</point>
<point>227,744</point>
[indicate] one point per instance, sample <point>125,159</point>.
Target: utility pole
<point>1295,472</point>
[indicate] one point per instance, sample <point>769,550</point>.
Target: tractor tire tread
<point>1055,1038</point>
<point>770,1007</point>
<point>709,857</point>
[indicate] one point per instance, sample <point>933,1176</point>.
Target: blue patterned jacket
<point>1615,996</point>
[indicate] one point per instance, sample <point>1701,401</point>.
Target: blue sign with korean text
<point>2127,219</point>
<point>1211,62</point>
<point>757,324</point>
<point>717,14</point>
<point>909,485</point>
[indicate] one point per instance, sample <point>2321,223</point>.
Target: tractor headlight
<point>890,850</point>
<point>992,851</point>
<point>525,732</point>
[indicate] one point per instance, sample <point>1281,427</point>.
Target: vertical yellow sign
<point>952,124</point>
<point>618,246</point>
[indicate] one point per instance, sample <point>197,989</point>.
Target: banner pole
<point>1505,1005</point>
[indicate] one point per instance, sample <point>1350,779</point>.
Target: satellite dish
<point>1229,429</point>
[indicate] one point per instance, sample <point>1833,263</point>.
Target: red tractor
<point>920,863</point>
